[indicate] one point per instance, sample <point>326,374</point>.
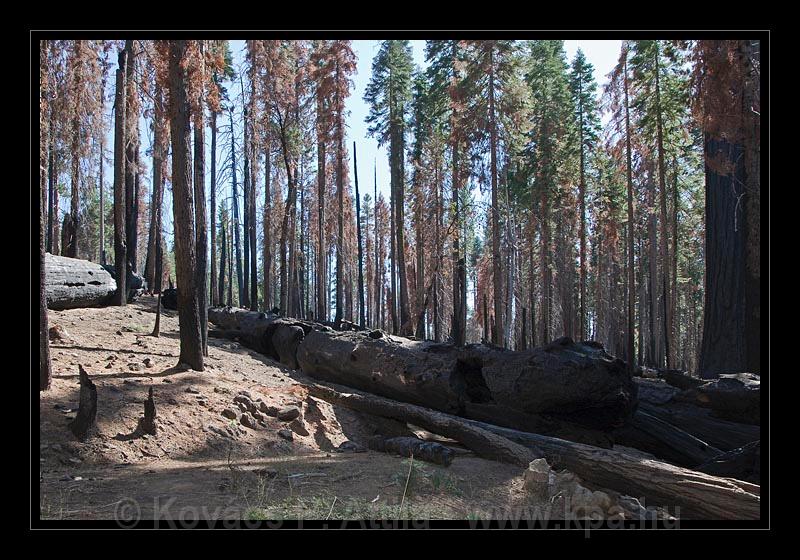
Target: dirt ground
<point>201,464</point>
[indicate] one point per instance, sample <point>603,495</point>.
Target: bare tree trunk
<point>159,258</point>
<point>361,309</point>
<point>45,371</point>
<point>215,290</point>
<point>201,231</point>
<point>222,265</point>
<point>102,166</point>
<point>52,194</point>
<point>669,343</point>
<point>150,268</point>
<point>268,279</point>
<point>340,219</point>
<point>378,262</point>
<point>120,134</point>
<point>191,332</point>
<point>631,270</point>
<point>235,225</point>
<point>131,125</point>
<point>252,222</point>
<point>498,337</point>
<point>321,248</point>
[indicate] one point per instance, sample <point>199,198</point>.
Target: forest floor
<point>203,465</point>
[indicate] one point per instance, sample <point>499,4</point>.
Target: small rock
<point>193,390</point>
<point>246,394</point>
<point>109,365</point>
<point>57,333</point>
<point>248,421</point>
<point>167,380</point>
<point>230,413</point>
<point>537,479</point>
<point>257,415</point>
<point>246,401</point>
<point>351,447</point>
<point>111,358</point>
<point>298,427</point>
<point>286,434</point>
<point>289,413</point>
<point>119,333</point>
<point>267,409</point>
<point>133,367</point>
<point>147,362</point>
<point>173,400</point>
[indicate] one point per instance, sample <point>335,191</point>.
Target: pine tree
<point>389,95</point>
<point>583,88</point>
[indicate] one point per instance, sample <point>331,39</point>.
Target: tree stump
<point>84,426</point>
<point>147,424</point>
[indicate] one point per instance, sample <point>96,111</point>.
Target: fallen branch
<point>481,441</point>
<point>698,495</point>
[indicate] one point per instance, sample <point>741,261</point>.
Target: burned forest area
<point>438,283</point>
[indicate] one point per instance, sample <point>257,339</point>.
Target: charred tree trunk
<point>235,225</point>
<point>216,291</point>
<point>84,426</point>
<point>223,265</point>
<point>158,189</point>
<point>201,225</point>
<point>191,332</point>
<point>45,371</point>
<point>120,140</point>
<point>268,278</point>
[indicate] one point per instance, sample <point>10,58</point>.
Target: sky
<point>372,160</point>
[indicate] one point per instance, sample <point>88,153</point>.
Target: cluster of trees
<point>514,215</point>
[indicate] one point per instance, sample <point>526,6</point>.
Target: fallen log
<point>564,381</point>
<point>266,333</point>
<point>679,379</point>
<point>743,463</point>
<point>700,422</point>
<point>73,283</point>
<point>735,397</point>
<point>484,443</point>
<point>667,442</point>
<point>84,425</point>
<point>681,409</point>
<point>429,451</point>
<point>697,494</point>
<point>575,391</point>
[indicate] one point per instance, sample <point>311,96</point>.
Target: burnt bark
<point>191,332</point>
<point>84,425</point>
<point>120,135</point>
<point>698,495</point>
